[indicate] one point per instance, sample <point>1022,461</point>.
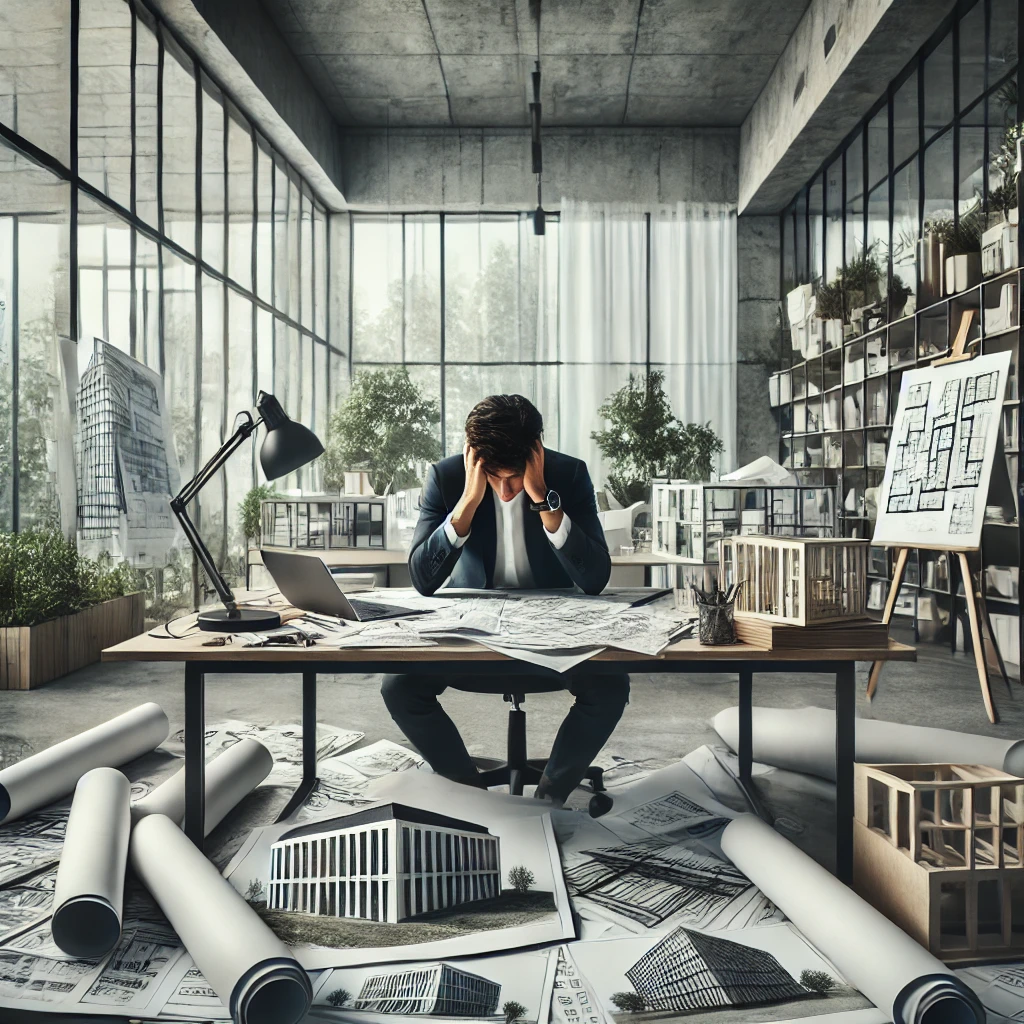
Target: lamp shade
<point>288,445</point>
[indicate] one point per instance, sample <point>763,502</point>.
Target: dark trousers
<point>600,700</point>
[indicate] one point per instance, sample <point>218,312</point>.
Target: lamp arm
<point>179,506</point>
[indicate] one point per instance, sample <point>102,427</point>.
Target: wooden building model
<point>800,581</point>
<point>938,849</point>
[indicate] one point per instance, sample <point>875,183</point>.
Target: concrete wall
<point>787,136</point>
<point>480,169</point>
<point>243,50</point>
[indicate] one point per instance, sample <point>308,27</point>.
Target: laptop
<point>306,582</point>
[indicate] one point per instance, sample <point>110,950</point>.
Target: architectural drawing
<point>437,989</point>
<point>944,438</point>
<point>667,811</point>
<point>572,1000</point>
<point>32,843</point>
<point>691,970</point>
<point>653,880</point>
<point>385,863</point>
<point>381,758</point>
<point>127,468</point>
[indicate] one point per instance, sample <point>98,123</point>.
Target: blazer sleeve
<point>432,556</point>
<point>584,555</point>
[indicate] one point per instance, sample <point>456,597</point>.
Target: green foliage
<point>521,878</point>
<point>855,285</point>
<point>255,892</point>
<point>817,981</point>
<point>42,576</point>
<point>339,997</point>
<point>645,440</point>
<point>960,238</point>
<point>250,510</point>
<point>629,1002</point>
<point>384,425</point>
<point>512,1010</point>
<point>829,303</point>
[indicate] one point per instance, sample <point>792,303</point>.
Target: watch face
<point>554,501</point>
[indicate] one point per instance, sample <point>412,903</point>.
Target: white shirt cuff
<point>454,539</point>
<point>558,538</point>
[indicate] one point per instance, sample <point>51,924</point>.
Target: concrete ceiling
<point>467,63</point>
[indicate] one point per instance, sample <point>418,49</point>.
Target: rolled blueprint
<point>54,772</point>
<point>230,776</point>
<point>804,740</point>
<point>89,891</point>
<point>875,956</point>
<point>249,967</point>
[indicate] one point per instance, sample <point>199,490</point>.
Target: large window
<point>167,227</point>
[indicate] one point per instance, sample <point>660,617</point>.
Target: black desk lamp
<point>287,446</point>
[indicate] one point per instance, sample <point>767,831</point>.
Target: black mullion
<point>133,326</point>
<point>225,254</point>
<point>351,333</point>
<point>956,124</point>
<point>890,144</point>
<point>15,377</point>
<point>73,312</point>
<point>647,295</point>
<point>405,297</point>
<point>161,226</point>
<point>329,232</point>
<point>444,311</point>
<point>865,192</point>
<point>920,154</point>
<point>254,341</point>
<point>273,267</point>
<point>197,376</point>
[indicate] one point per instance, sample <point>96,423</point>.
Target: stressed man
<point>509,513</point>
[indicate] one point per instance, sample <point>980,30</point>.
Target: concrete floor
<point>668,715</point>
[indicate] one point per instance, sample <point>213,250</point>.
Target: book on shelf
<point>864,633</point>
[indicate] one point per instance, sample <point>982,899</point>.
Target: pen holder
<point>716,626</point>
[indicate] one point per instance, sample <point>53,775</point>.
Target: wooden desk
<point>469,658</point>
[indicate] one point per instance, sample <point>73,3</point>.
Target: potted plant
<point>999,240</point>
<point>58,611</point>
<point>645,440</point>
<point>384,425</point>
<point>830,309</point>
<point>250,512</point>
<point>960,244</point>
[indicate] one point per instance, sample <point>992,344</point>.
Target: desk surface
<point>379,557</point>
<point>147,648</point>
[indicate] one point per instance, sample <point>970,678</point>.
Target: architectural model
<point>938,848</point>
<point>435,989</point>
<point>691,970</point>
<point>387,863</point>
<point>944,439</point>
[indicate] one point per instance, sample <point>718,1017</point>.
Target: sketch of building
<point>666,811</point>
<point>384,863</point>
<point>437,989</point>
<point>691,970</point>
<point>127,470</point>
<point>651,881</point>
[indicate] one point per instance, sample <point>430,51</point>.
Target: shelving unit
<point>835,413</point>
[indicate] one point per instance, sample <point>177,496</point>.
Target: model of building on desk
<point>799,581</point>
<point>385,863</point>
<point>938,850</point>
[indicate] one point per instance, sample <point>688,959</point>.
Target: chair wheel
<point>515,782</point>
<point>600,803</point>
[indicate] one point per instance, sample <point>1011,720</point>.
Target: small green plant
<point>855,285</point>
<point>255,893</point>
<point>384,425</point>
<point>339,997</point>
<point>628,1002</point>
<point>520,878</point>
<point>959,238</point>
<point>42,576</point>
<point>512,1010</point>
<point>828,301</point>
<point>699,444</point>
<point>250,511</point>
<point>817,981</point>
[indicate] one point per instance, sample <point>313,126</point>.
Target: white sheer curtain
<point>607,329</point>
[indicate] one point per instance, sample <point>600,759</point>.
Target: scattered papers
<point>764,470</point>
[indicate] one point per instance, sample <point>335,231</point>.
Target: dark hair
<point>503,429</point>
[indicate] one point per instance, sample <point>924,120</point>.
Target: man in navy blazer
<point>508,513</point>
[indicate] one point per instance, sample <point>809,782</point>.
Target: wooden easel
<point>977,608</point>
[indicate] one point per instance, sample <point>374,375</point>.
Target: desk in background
<point>685,656</point>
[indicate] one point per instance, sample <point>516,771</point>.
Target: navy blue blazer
<point>582,561</point>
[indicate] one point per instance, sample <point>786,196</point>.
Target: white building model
<point>385,863</point>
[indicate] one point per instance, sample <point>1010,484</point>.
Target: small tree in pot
<point>385,424</point>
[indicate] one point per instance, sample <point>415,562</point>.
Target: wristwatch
<point>551,503</point>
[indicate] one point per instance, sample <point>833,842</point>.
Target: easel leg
<point>890,602</point>
<point>983,608</point>
<point>979,648</point>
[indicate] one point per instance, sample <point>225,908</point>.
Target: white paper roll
<point>875,956</point>
<point>804,740</point>
<point>89,892</point>
<point>230,776</point>
<point>54,772</point>
<point>249,967</point>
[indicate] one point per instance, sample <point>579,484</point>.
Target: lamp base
<point>241,620</point>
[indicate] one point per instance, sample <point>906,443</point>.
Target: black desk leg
<point>846,749</point>
<point>195,753</point>
<point>746,737</point>
<point>309,779</point>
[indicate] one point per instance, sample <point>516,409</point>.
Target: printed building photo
<point>434,989</point>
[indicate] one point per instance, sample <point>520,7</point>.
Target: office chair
<point>519,770</point>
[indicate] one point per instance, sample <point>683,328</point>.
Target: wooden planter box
<point>33,655</point>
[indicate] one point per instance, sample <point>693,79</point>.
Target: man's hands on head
<point>533,477</point>
<point>472,492</point>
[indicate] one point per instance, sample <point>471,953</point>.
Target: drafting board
<point>945,437</point>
